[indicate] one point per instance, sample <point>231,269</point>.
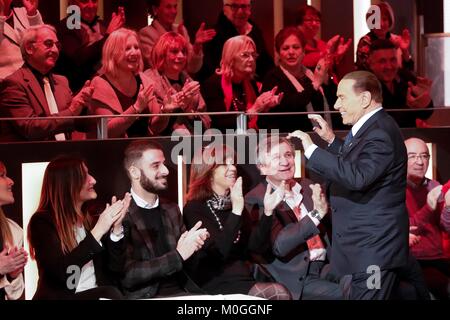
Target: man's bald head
<point>418,159</point>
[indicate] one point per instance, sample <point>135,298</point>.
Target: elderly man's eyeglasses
<point>50,43</point>
<point>416,157</point>
<point>311,20</point>
<point>235,7</point>
<point>247,55</point>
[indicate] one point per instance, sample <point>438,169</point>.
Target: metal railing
<point>241,118</point>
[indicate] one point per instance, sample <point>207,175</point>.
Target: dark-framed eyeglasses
<point>50,43</point>
<point>416,157</point>
<point>235,7</point>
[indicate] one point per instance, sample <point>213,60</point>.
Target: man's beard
<point>149,185</point>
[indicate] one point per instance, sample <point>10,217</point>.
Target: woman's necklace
<point>208,202</point>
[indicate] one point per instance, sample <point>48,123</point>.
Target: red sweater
<point>427,221</point>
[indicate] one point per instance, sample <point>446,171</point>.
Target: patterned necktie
<point>348,139</point>
<point>53,107</point>
<point>314,242</point>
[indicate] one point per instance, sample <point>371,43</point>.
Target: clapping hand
<point>273,199</point>
<point>204,35</point>
<point>117,225</point>
<point>413,239</point>
<point>83,99</point>
<point>418,95</point>
<point>237,198</point>
<point>192,241</point>
<point>319,199</point>
<point>117,21</point>
<point>266,100</point>
<point>12,261</point>
<point>145,96</point>
<point>31,6</point>
<point>402,41</point>
<point>107,218</point>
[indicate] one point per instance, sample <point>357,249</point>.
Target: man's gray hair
<point>265,146</point>
<point>30,35</point>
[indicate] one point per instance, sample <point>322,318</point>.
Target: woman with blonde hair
<point>122,89</point>
<point>222,265</point>
<point>174,89</point>
<point>13,257</point>
<point>233,87</point>
<point>76,258</point>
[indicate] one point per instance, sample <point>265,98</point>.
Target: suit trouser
<point>317,288</point>
<point>107,292</point>
<point>367,286</point>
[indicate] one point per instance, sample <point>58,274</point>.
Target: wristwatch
<point>315,214</point>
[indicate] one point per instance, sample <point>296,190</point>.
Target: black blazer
<point>290,255</point>
<point>367,196</point>
<point>143,269</point>
<point>53,264</point>
<point>221,266</point>
<point>292,101</point>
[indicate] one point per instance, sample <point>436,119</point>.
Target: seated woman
<point>76,258</point>
<point>121,88</point>
<point>301,87</point>
<point>232,88</point>
<point>175,91</point>
<point>308,22</point>
<point>215,198</point>
<point>13,257</point>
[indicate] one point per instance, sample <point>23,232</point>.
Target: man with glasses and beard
<point>157,243</point>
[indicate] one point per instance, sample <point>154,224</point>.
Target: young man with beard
<point>157,243</point>
<point>299,239</point>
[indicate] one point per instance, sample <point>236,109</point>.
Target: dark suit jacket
<point>79,60</point>
<point>144,270</point>
<point>293,101</point>
<point>22,96</point>
<point>367,196</point>
<point>53,264</point>
<point>290,261</point>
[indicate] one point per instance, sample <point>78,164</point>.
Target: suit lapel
<point>356,139</point>
<point>36,89</point>
<point>11,34</point>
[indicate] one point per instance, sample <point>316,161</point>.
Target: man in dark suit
<point>34,91</point>
<point>157,243</point>
<point>298,221</point>
<point>367,175</point>
<point>81,51</point>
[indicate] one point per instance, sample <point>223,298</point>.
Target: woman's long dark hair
<point>202,169</point>
<point>63,181</point>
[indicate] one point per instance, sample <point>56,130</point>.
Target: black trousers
<point>107,292</point>
<point>366,286</point>
<point>316,287</point>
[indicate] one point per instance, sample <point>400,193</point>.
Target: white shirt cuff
<point>315,220</point>
<point>114,237</point>
<point>310,150</point>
